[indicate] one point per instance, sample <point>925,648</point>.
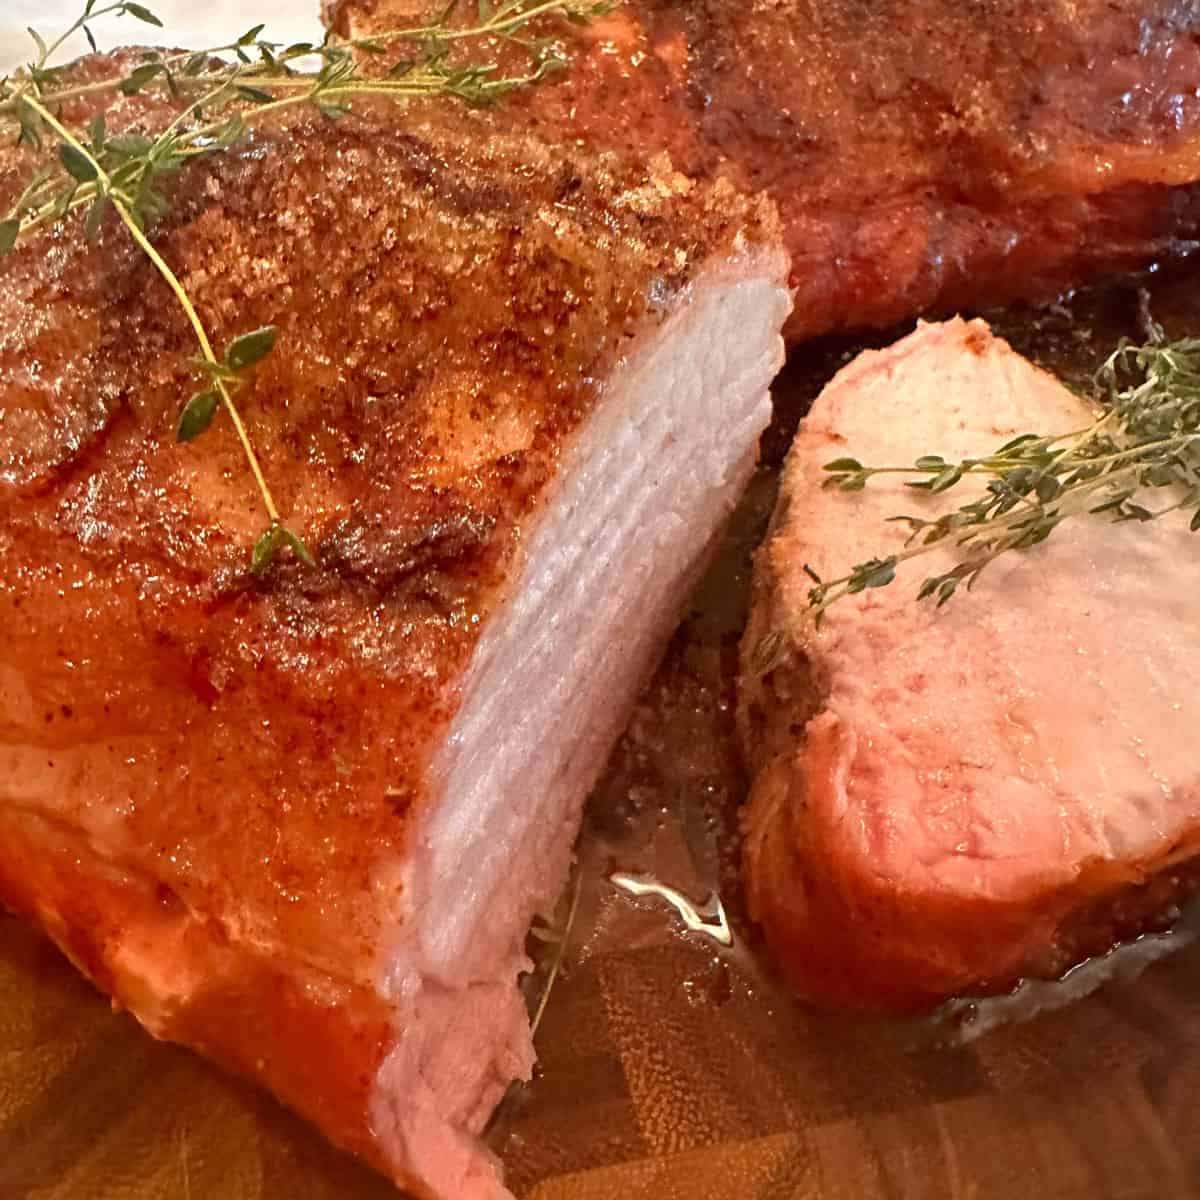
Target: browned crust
<point>845,941</point>
<point>448,312</point>
<point>52,877</point>
<point>924,154</point>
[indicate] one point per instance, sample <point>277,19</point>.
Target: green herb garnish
<point>1146,438</point>
<point>86,168</point>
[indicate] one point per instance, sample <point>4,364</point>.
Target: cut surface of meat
<point>948,799</point>
<point>302,821</point>
<point>924,154</point>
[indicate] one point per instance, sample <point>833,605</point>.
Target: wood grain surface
<point>644,1093</point>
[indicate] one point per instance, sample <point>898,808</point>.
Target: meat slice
<point>302,822</point>
<point>924,154</point>
<point>948,799</point>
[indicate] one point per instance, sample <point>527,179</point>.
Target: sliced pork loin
<point>302,822</point>
<point>948,799</point>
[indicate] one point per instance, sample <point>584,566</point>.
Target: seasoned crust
<point>448,312</point>
<point>925,154</point>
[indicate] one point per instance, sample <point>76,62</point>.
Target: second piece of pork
<point>946,799</point>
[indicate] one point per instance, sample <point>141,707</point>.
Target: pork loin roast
<point>302,821</point>
<point>948,799</point>
<point>924,154</point>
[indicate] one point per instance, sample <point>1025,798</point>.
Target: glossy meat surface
<point>410,416</point>
<point>948,799</point>
<point>924,154</point>
<point>206,779</point>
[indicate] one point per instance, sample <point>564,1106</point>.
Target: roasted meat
<point>302,821</point>
<point>924,154</point>
<point>947,799</point>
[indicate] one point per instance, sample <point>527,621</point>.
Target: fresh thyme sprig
<point>1146,437</point>
<point>218,102</point>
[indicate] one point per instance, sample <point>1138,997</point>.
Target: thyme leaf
<point>245,350</point>
<point>197,415</point>
<point>79,165</point>
<point>271,541</point>
<point>143,14</point>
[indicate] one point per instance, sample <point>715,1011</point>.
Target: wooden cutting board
<point>649,1089</point>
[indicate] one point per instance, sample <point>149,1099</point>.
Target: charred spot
<point>976,339</point>
<point>384,556</point>
<point>568,184</point>
<point>399,799</point>
<point>427,167</point>
<point>168,900</point>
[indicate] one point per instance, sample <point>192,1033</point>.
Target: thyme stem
<point>507,17</point>
<point>206,349</point>
<point>559,955</point>
<point>215,104</point>
<point>181,295</point>
<point>58,42</point>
